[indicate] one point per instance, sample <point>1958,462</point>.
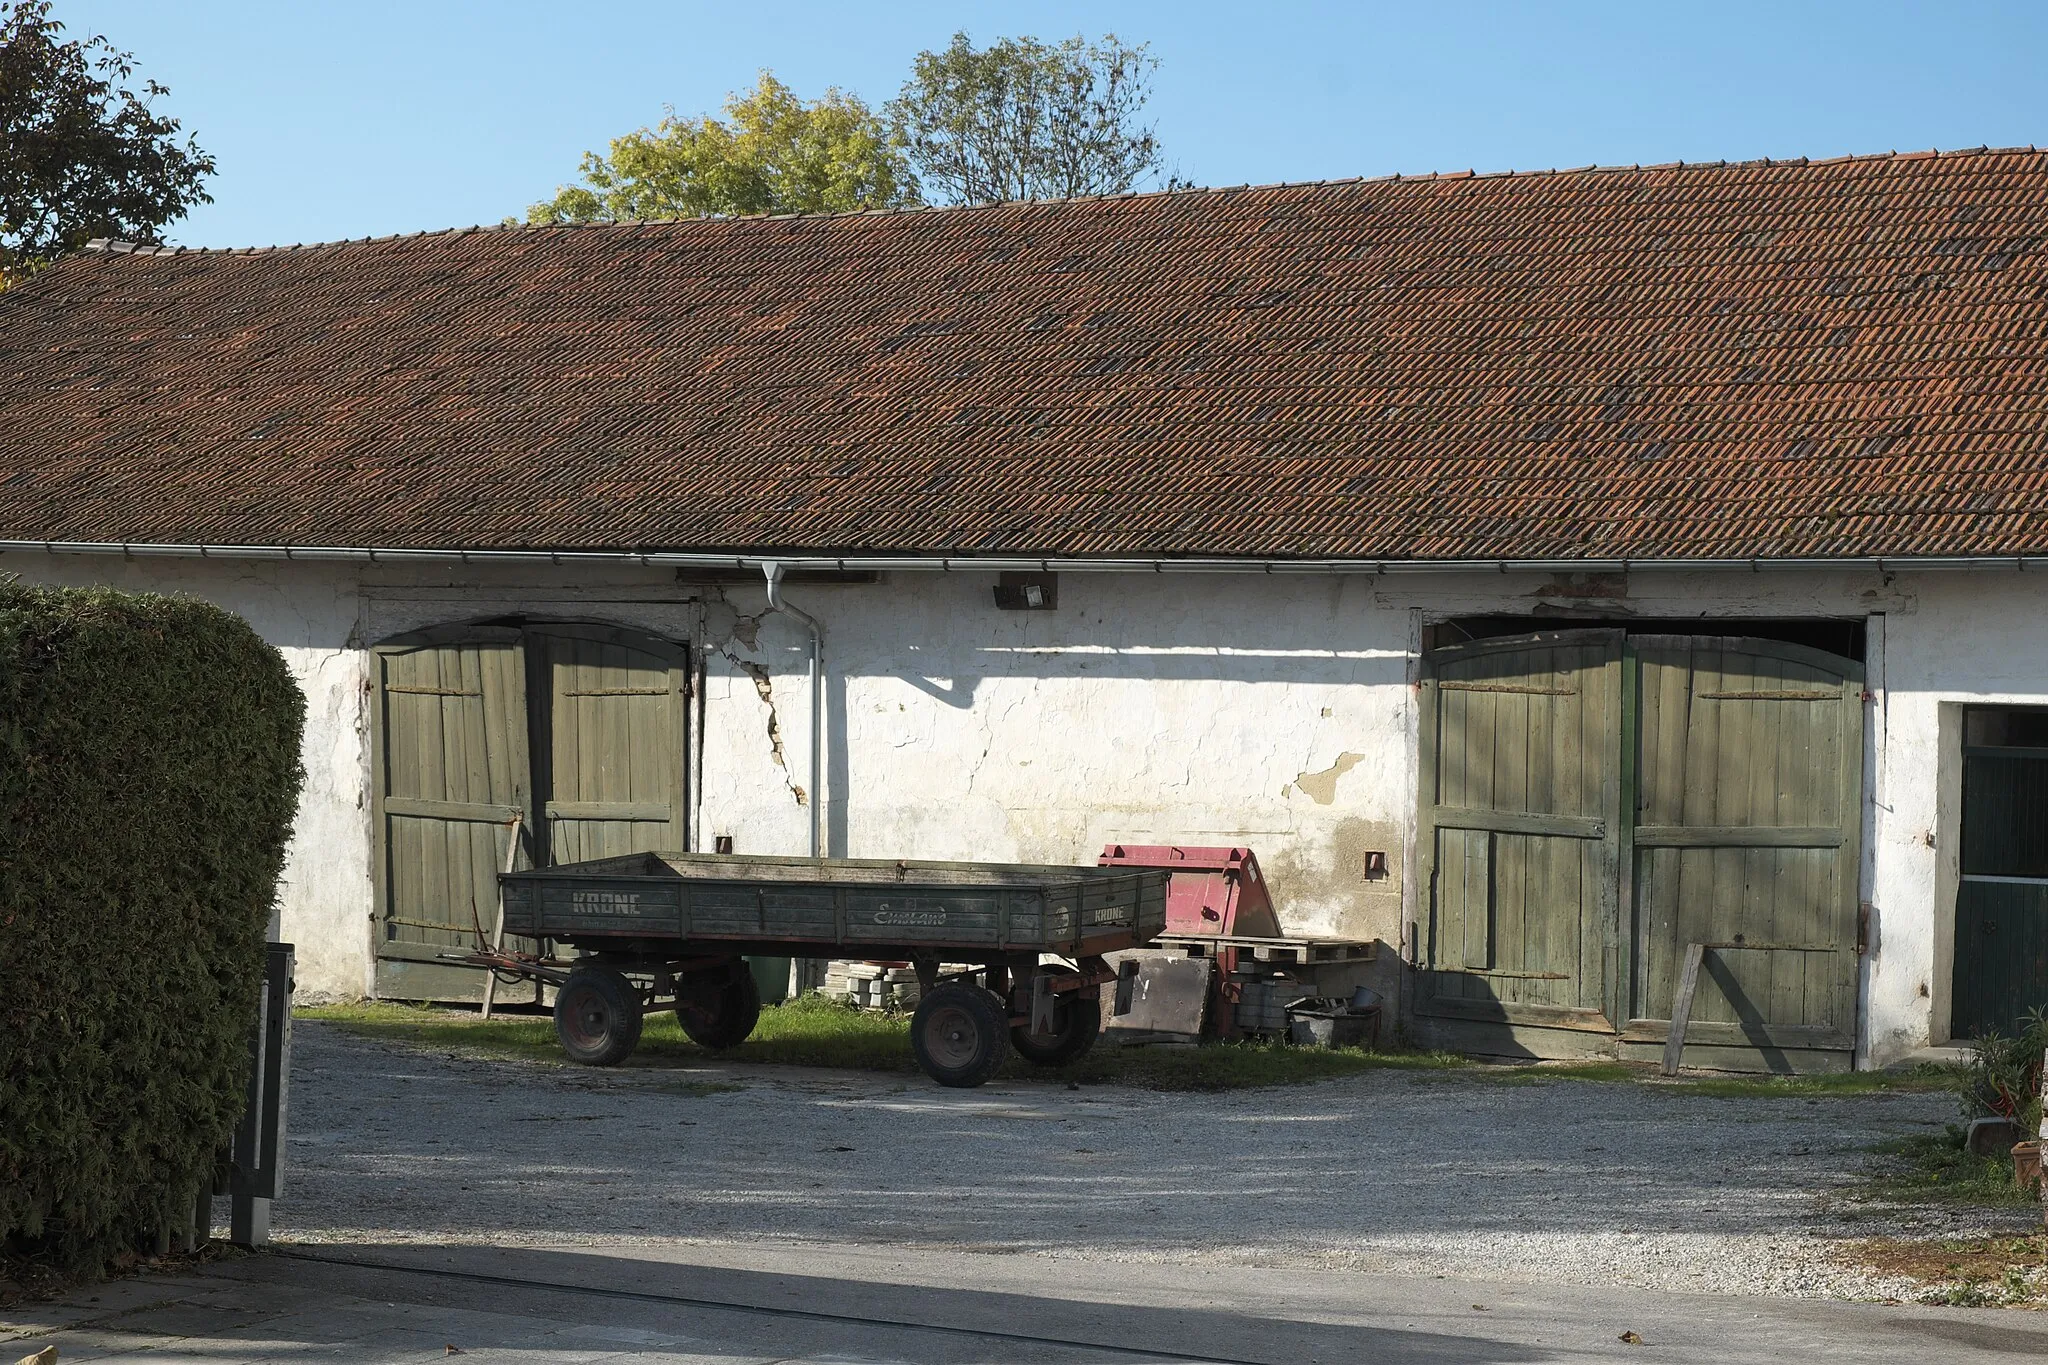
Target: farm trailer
<point>667,931</point>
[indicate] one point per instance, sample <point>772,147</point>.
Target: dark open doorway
<point>2001,928</point>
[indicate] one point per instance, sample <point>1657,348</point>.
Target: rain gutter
<point>792,563</point>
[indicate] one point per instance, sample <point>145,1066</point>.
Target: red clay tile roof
<point>1772,360</point>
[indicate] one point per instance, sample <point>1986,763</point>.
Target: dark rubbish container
<point>1323,1022</point>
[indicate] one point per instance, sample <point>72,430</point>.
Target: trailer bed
<point>839,907</point>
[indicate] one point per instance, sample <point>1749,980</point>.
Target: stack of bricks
<point>872,987</point>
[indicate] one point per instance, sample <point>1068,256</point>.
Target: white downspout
<point>772,570</point>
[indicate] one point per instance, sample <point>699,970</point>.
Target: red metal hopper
<point>1212,891</point>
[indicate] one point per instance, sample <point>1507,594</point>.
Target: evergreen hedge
<point>149,772</point>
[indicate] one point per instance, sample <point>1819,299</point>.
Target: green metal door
<point>1748,820</point>
<point>615,726</point>
<point>450,774</point>
<point>1520,842</point>
<point>2001,945</point>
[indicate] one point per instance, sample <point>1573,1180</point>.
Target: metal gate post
<point>258,1149</point>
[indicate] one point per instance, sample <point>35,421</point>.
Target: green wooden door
<point>450,773</point>
<point>2001,946</point>
<point>1519,844</point>
<point>577,729</point>
<point>1748,817</point>
<point>616,723</point>
<point>1593,802</point>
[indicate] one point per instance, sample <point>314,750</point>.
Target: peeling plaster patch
<point>724,621</point>
<point>1322,787</point>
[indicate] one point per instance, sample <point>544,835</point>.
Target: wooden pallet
<point>1281,952</point>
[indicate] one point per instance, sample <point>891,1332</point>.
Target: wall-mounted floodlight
<point>1028,591</point>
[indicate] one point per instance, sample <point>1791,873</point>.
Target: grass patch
<point>1226,1066</point>
<point>1936,1168</point>
<point>809,1032</point>
<point>1539,1073</point>
<point>1982,1272</point>
<point>1722,1086</point>
<point>1915,1080</point>
<point>814,1031</point>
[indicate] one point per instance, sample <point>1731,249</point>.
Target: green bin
<point>771,977</point>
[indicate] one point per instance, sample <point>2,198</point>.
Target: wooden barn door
<point>1595,803</point>
<point>1520,842</point>
<point>614,754</point>
<point>579,730</point>
<point>1748,826</point>
<point>450,773</point>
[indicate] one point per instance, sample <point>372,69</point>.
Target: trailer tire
<point>718,1011</point>
<point>960,1034</point>
<point>1076,1020</point>
<point>597,1016</point>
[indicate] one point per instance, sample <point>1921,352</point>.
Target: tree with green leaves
<point>771,153</point>
<point>1022,119</point>
<point>82,154</point>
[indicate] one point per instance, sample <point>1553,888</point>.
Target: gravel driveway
<point>1416,1172</point>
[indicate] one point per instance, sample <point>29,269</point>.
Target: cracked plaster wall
<point>1270,711</point>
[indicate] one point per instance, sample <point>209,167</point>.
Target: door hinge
<point>1864,911</point>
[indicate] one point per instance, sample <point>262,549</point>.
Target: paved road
<point>834,1305</point>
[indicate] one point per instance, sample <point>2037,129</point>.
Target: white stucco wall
<point>1273,711</point>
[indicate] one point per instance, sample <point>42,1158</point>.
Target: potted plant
<point>2002,1085</point>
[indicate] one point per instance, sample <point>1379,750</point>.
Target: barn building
<point>1630,558</point>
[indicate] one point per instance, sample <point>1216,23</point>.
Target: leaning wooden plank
<point>1681,1008</point>
<point>498,929</point>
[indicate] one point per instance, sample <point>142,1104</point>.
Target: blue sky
<point>347,119</point>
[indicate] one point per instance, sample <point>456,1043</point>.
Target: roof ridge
<point>116,246</point>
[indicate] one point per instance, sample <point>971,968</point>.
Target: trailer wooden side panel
<point>867,907</point>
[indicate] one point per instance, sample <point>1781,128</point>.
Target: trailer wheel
<point>597,1016</point>
<point>1076,1020</point>
<point>959,1033</point>
<point>718,1011</point>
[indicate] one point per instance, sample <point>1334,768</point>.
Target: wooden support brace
<point>1689,980</point>
<point>1681,1007</point>
<point>497,943</point>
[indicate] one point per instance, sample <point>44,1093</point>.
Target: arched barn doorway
<point>579,730</point>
